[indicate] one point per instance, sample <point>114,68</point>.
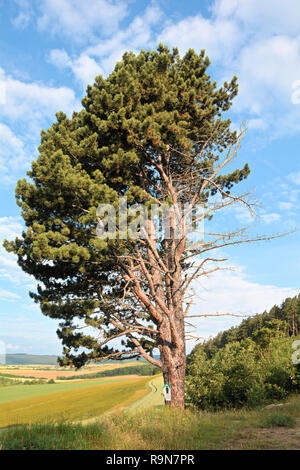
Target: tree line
<point>247,365</point>
<point>129,370</point>
<point>260,327</point>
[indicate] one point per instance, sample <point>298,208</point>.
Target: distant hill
<point>23,359</point>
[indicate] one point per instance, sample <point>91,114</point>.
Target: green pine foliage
<point>151,102</point>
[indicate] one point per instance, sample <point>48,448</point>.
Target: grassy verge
<point>158,429</point>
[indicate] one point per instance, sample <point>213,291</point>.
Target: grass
<point>79,403</point>
<point>162,429</point>
<point>277,420</point>
<point>53,437</point>
<point>165,428</point>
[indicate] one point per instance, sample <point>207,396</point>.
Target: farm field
<point>72,402</point>
<point>18,392</point>
<point>54,372</point>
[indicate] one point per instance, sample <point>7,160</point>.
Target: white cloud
<point>10,227</point>
<point>269,218</point>
<point>31,332</point>
<point>35,102</point>
<point>7,295</point>
<point>286,206</point>
<point>60,58</point>
<point>294,177</point>
<point>247,297</point>
<point>28,108</point>
<point>244,216</point>
<point>266,70</point>
<point>249,38</point>
<point>79,20</point>
<point>296,92</point>
<point>137,35</point>
<point>12,347</point>
<point>22,20</point>
<point>231,292</point>
<point>85,68</point>
<point>242,213</point>
<point>220,38</point>
<point>258,123</point>
<point>10,271</point>
<point>11,145</point>
<point>263,16</point>
<point>253,40</point>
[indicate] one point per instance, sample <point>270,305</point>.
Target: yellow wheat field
<point>72,405</point>
<point>46,373</point>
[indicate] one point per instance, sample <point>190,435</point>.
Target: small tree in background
<point>153,132</point>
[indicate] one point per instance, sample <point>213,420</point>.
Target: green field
<point>73,402</point>
<point>17,392</point>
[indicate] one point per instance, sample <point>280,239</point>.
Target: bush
<point>276,420</point>
<point>242,374</point>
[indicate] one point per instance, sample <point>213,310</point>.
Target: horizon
<point>70,46</point>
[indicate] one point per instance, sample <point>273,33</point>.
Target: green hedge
<point>130,370</point>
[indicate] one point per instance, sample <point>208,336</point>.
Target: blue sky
<point>51,49</point>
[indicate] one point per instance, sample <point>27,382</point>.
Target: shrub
<point>276,420</point>
<point>242,374</point>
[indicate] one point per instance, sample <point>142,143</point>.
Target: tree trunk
<point>173,358</point>
<point>174,374</point>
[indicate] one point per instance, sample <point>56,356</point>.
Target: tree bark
<point>173,368</point>
<point>173,358</point>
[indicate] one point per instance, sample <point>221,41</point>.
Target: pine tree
<point>154,132</point>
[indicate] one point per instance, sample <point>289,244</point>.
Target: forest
<point>247,365</point>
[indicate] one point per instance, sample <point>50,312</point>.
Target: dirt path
<point>277,438</point>
<point>153,399</point>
